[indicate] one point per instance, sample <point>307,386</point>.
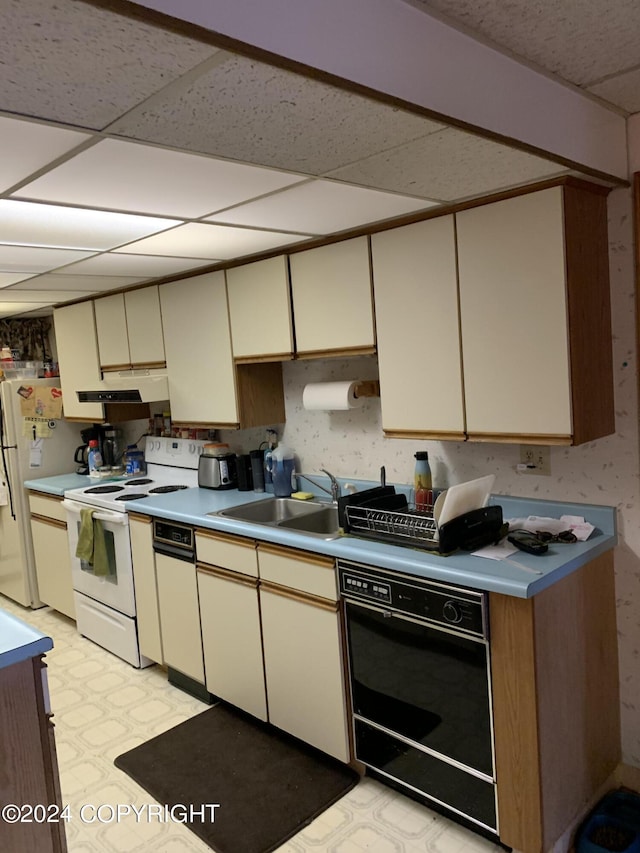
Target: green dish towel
<point>92,546</point>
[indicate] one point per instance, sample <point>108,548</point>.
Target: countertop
<point>191,506</point>
<point>19,641</point>
<point>60,484</point>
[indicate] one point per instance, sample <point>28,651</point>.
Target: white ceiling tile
<point>451,165</point>
<point>76,63</point>
<point>13,309</point>
<point>251,111</point>
<point>129,176</point>
<point>622,90</point>
<point>33,224</point>
<point>121,263</point>
<point>30,259</point>
<point>321,207</point>
<point>77,283</point>
<point>580,40</point>
<point>7,278</point>
<point>51,296</point>
<point>215,242</point>
<point>26,146</point>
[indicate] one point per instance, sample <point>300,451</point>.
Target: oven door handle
<point>111,517</point>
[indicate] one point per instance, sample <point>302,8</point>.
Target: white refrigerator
<point>24,457</point>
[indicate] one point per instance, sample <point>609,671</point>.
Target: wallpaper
<point>350,444</point>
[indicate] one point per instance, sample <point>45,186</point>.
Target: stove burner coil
<point>131,496</point>
<point>161,490</point>
<point>103,490</point>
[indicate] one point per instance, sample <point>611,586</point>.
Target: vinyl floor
<point>103,707</point>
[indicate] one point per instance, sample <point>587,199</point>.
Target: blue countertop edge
<point>192,506</point>
<point>19,641</point>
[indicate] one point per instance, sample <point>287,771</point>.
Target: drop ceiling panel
<point>145,266</point>
<point>33,259</point>
<point>78,283</point>
<point>26,146</point>
<point>622,90</point>
<point>35,224</point>
<point>577,39</point>
<point>128,176</point>
<point>76,63</point>
<point>215,242</point>
<point>247,110</point>
<point>452,165</point>
<point>7,278</point>
<point>321,207</point>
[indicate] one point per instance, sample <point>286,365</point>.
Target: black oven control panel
<point>452,607</point>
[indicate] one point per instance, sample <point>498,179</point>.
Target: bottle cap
<point>93,442</point>
<point>422,454</point>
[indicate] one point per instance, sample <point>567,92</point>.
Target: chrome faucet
<point>334,491</point>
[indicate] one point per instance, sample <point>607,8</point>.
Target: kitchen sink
<point>315,519</point>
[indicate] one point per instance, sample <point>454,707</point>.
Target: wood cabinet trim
<point>52,522</point>
<point>426,434</point>
<point>335,353</point>
<point>148,365</point>
<point>228,538</point>
<point>227,574</point>
<point>301,597</point>
<point>259,358</point>
<point>113,368</point>
<point>143,519</point>
<point>520,438</point>
<point>44,496</point>
<point>294,554</point>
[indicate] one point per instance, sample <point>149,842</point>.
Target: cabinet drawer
<point>228,552</point>
<point>47,505</point>
<point>301,570</point>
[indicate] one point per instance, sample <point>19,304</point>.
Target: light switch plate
<point>535,459</point>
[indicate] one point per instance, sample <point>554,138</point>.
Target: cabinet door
<point>417,318</point>
<point>180,616</point>
<point>144,580</point>
<point>53,564</point>
<point>332,301</point>
<point>232,639</point>
<point>514,317</point>
<point>198,350</point>
<point>304,670</point>
<point>78,359</point>
<point>144,327</point>
<point>111,326</point>
<point>260,310</point>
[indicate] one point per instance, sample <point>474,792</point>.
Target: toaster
<point>217,472</point>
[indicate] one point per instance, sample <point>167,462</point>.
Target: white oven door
<point>115,589</point>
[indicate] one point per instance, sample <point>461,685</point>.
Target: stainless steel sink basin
<point>269,511</point>
<point>323,522</point>
<point>314,519</point>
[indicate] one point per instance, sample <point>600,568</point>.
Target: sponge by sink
<point>302,496</point>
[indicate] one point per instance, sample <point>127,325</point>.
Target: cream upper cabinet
<point>129,327</point>
<point>260,310</point>
<point>111,326</point>
<point>77,347</point>
<point>332,300</point>
<point>416,303</point>
<point>198,350</point>
<point>535,317</point>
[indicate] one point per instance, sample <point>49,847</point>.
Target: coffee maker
<point>81,455</point>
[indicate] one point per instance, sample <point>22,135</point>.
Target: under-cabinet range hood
<point>128,386</point>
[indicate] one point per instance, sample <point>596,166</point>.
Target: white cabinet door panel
<point>144,326</point>
<point>198,350</point>
<point>78,358</point>
<point>111,327</point>
<point>144,580</point>
<point>417,318</point>
<point>514,316</point>
<point>180,616</point>
<point>332,301</point>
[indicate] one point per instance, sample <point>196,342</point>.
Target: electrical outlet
<point>535,460</point>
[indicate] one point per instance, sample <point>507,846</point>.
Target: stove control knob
<point>451,612</point>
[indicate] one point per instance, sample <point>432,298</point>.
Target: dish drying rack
<point>415,528</point>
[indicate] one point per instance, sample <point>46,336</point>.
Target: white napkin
<point>579,527</point>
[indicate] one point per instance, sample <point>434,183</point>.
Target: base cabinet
<point>51,553</point>
<point>303,668</point>
<point>28,762</point>
<point>180,616</point>
<point>146,587</point>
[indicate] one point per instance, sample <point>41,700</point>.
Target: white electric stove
<point>104,589</point>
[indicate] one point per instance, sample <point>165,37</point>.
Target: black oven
<point>420,688</point>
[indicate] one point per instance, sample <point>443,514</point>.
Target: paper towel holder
<point>370,388</point>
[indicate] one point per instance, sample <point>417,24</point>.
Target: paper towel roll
<point>327,396</point>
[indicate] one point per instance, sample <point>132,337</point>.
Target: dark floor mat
<point>268,785</point>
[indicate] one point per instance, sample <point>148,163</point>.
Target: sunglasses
<point>566,536</point>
